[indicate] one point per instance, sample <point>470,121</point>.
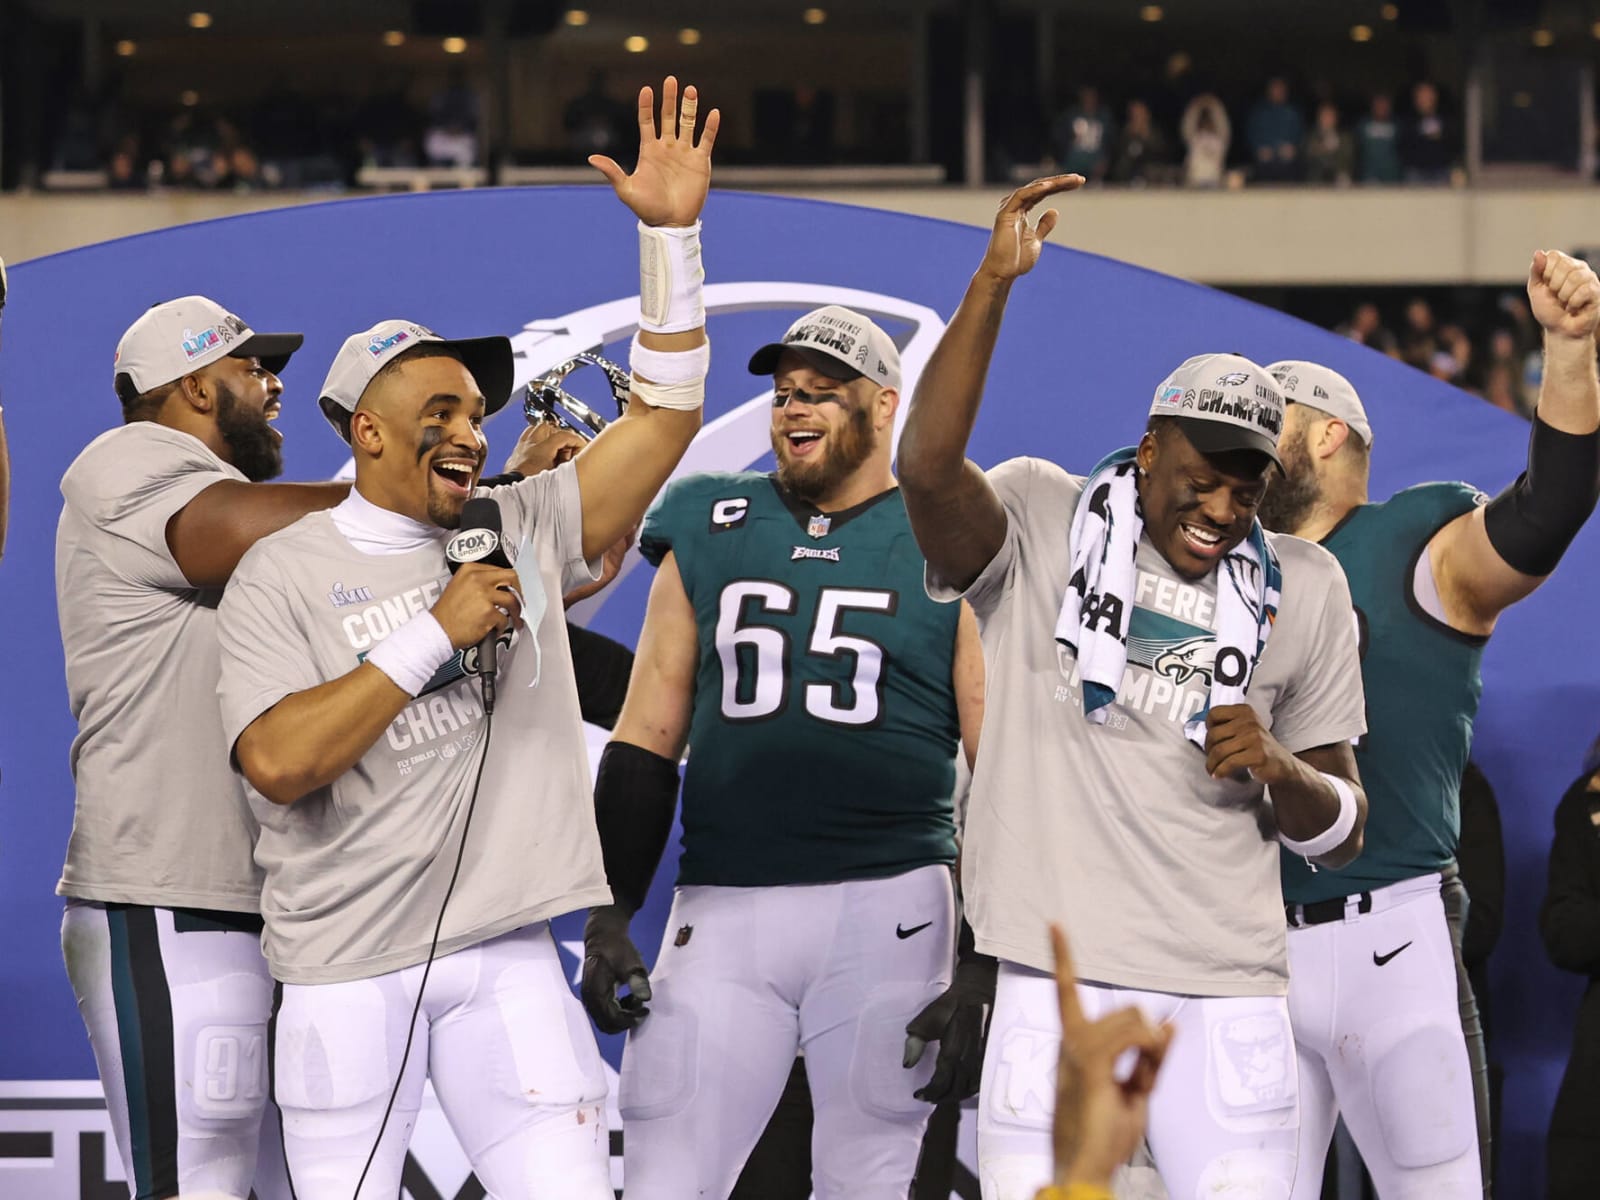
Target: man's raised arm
<point>955,514</point>
<point>620,472</point>
<point>1486,560</point>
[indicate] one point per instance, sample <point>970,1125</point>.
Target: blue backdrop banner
<point>1086,341</point>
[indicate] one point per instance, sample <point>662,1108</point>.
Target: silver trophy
<point>548,399</point>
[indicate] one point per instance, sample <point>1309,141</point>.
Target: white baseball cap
<point>364,354</point>
<point>840,337</point>
<point>173,339</point>
<point>1223,402</point>
<point>1317,386</point>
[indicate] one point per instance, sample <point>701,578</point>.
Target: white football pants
<point>507,1045</point>
<point>748,976</point>
<point>1378,1030</point>
<point>1224,1116</point>
<point>176,1005</point>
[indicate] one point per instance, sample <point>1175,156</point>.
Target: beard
<point>848,447</point>
<point>444,510</point>
<point>255,447</point>
<point>1293,492</point>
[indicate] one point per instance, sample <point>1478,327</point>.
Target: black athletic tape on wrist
<point>635,793</point>
<point>1534,520</point>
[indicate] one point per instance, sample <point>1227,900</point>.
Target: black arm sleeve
<point>1534,520</point>
<point>1482,857</point>
<point>635,793</point>
<point>601,668</point>
<point>1569,920</point>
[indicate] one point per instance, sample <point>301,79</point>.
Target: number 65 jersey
<point>823,738</point>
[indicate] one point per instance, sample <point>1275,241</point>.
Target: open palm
<point>1015,245</point>
<point>669,184</point>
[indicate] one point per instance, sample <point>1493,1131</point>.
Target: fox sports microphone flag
<point>479,539</point>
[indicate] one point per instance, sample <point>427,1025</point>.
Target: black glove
<point>611,961</point>
<point>958,1019</point>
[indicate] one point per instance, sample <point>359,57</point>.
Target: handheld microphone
<point>479,539</point>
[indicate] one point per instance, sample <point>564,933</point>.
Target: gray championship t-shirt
<point>1164,879</point>
<point>160,818</point>
<point>356,872</point>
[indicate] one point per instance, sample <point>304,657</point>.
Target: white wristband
<point>685,397</point>
<point>670,366</point>
<point>413,653</point>
<point>1334,835</point>
<point>670,278</point>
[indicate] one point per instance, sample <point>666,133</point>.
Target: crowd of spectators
<point>1279,143</point>
<point>1168,136</point>
<point>284,139</point>
<point>1498,358</point>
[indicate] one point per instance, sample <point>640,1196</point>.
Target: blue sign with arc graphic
<point>1085,343</point>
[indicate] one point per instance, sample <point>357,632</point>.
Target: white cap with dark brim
<point>364,354</point>
<point>832,337</point>
<point>1223,402</point>
<point>173,339</point>
<point>1323,388</point>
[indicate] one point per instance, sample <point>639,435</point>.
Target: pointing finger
<point>1066,982</point>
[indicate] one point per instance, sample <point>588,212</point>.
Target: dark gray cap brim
<point>1221,437</point>
<point>273,349</point>
<point>492,364</point>
<point>765,361</point>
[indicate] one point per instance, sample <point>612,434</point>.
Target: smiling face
<point>1197,507</point>
<point>418,433</point>
<point>247,402</point>
<point>824,428</point>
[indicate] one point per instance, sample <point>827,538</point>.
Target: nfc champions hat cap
<point>1223,402</point>
<point>832,337</point>
<point>1318,387</point>
<point>170,340</point>
<point>364,354</point>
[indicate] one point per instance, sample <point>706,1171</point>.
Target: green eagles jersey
<point>1422,685</point>
<point>822,743</point>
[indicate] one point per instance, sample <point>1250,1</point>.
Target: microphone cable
<point>433,948</point>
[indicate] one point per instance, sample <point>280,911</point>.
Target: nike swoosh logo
<point>902,934</point>
<point>1380,959</point>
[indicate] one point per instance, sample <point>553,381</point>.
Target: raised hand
<point>1015,245</point>
<point>1099,1118</point>
<point>1564,294</point>
<point>669,184</point>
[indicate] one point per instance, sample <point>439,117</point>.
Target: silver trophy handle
<point>547,399</point>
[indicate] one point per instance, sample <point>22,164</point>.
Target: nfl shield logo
<point>819,526</point>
